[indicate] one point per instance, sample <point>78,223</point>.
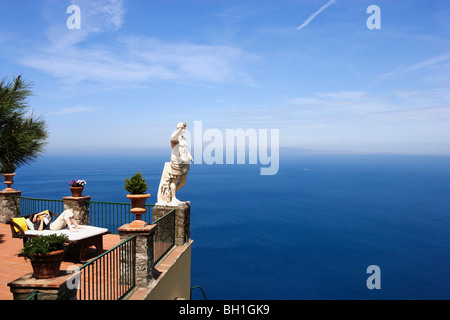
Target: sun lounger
<point>79,242</point>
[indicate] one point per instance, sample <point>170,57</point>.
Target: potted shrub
<point>137,187</point>
<point>46,254</point>
<point>76,187</point>
<point>22,133</point>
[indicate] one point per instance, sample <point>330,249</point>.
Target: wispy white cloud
<point>359,107</point>
<point>72,110</point>
<point>129,60</point>
<point>142,60</point>
<point>237,13</point>
<point>96,17</point>
<point>315,14</point>
<point>333,102</point>
<point>437,61</point>
<point>392,121</point>
<point>429,63</point>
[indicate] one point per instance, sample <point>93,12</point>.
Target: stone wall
<point>182,219</point>
<point>144,251</point>
<point>47,289</point>
<point>9,207</point>
<point>79,207</point>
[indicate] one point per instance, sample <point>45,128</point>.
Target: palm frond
<point>22,133</point>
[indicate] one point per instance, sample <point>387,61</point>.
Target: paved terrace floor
<point>13,266</point>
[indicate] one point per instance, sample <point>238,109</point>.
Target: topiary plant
<point>43,245</point>
<point>136,184</point>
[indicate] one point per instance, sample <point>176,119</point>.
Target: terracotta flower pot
<point>138,204</point>
<point>46,266</point>
<point>9,180</point>
<point>76,191</point>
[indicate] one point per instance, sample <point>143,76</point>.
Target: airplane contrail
<point>315,14</point>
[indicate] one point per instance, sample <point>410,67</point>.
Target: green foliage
<point>136,184</point>
<point>43,245</point>
<point>22,133</point>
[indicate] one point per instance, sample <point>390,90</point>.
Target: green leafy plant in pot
<point>46,254</point>
<point>137,187</point>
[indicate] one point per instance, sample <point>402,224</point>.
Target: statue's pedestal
<point>182,219</point>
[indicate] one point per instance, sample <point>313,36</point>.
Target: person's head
<point>35,218</point>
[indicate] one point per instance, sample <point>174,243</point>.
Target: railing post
<point>144,261</point>
<point>47,289</point>
<point>9,205</point>
<point>182,219</point>
<point>79,207</point>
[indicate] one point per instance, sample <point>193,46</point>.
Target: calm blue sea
<point>309,232</point>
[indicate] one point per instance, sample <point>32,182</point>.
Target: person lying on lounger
<point>42,221</point>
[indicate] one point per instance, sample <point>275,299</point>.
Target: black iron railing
<point>164,238</point>
<point>109,215</point>
<point>112,215</point>
<point>110,276</point>
<point>29,206</point>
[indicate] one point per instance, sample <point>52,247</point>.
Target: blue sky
<point>136,68</point>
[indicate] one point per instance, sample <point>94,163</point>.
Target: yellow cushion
<point>21,222</point>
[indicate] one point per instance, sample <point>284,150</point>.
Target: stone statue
<point>175,172</point>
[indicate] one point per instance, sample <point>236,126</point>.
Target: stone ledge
<point>130,228</point>
<point>83,198</point>
<point>48,289</point>
<point>172,204</point>
<point>11,192</point>
<point>28,281</point>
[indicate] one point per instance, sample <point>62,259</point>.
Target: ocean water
<point>309,232</point>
